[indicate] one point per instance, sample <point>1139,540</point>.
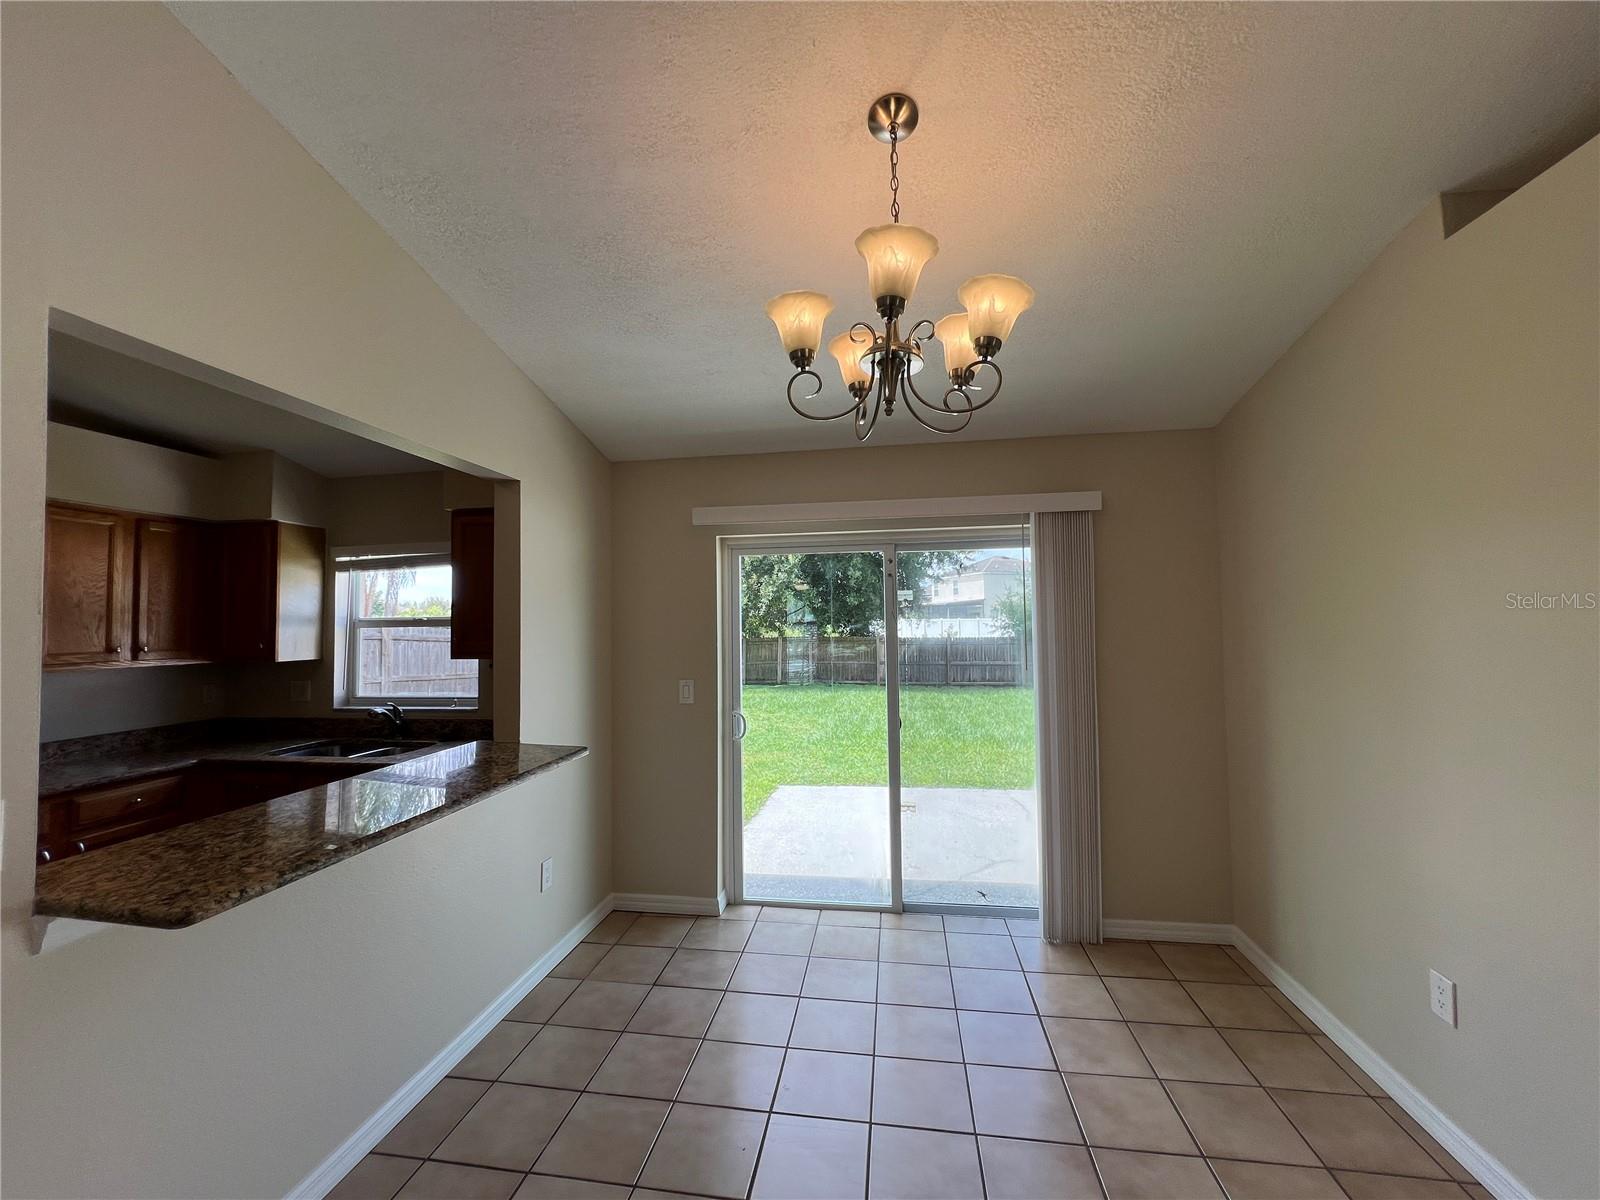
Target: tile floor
<point>785,1053</point>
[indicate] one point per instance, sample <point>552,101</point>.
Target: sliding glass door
<point>812,727</point>
<point>837,804</point>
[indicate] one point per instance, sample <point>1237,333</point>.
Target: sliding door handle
<point>741,726</point>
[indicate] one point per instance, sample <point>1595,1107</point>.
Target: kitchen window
<point>393,632</point>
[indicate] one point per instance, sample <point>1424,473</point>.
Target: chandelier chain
<point>894,171</point>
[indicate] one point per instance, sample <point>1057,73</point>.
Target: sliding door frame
<point>887,543</point>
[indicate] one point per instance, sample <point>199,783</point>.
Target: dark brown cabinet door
<point>86,590</point>
<point>272,578</point>
<point>247,595</point>
<point>167,593</point>
<point>472,583</point>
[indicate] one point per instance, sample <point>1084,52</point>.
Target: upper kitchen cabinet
<point>271,591</point>
<point>88,591</point>
<point>170,590</point>
<point>472,583</point>
<point>126,590</point>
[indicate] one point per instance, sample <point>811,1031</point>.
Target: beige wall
<point>144,191</point>
<point>1163,786</point>
<point>86,467</point>
<point>1413,763</point>
<point>382,510</point>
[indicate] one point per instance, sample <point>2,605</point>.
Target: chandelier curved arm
<point>872,334</point>
<point>812,395</point>
<point>913,394</point>
<point>999,382</point>
<point>926,424</point>
<point>941,407</point>
<point>912,336</point>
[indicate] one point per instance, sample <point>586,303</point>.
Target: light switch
<point>685,691</point>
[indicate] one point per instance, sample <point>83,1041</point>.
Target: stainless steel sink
<point>352,748</point>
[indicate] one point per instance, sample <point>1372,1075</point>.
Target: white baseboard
<point>697,906</point>
<point>1169,931</point>
<point>334,1168</point>
<point>1489,1170</point>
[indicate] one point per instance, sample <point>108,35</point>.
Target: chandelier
<point>878,365</point>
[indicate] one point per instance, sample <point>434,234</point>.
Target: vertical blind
<point>1069,753</point>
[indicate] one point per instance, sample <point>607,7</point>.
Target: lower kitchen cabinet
<point>77,822</point>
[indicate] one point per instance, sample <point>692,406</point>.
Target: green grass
<point>834,735</point>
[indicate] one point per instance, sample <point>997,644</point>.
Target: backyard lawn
<point>979,737</point>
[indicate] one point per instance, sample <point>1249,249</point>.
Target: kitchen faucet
<point>392,713</point>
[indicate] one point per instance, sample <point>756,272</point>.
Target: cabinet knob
<point>82,849</point>
<point>45,856</point>
<point>145,649</point>
<point>117,649</point>
<point>138,799</point>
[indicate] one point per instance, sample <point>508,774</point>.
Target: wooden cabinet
<point>472,583</point>
<point>169,596</point>
<point>77,822</point>
<point>271,591</point>
<point>88,588</point>
<point>124,589</point>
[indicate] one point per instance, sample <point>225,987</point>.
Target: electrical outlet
<point>685,691</point>
<point>547,874</point>
<point>1442,994</point>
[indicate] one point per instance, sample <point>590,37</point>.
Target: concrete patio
<point>960,846</point>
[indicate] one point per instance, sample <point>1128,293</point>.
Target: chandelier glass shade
<point>959,353</point>
<point>994,302</point>
<point>895,256</point>
<point>799,317</point>
<point>853,357</point>
<point>877,361</point>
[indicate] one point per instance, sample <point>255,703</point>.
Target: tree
<point>1010,617</point>
<point>837,595</point>
<point>380,590</point>
<point>767,593</point>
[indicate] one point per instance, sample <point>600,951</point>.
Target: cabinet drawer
<point>125,802</point>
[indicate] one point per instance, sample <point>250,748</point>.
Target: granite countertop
<point>185,874</point>
<point>67,766</point>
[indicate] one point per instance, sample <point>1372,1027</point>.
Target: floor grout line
<point>948,969</point>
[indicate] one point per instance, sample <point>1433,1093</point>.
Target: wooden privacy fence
<point>413,661</point>
<point>929,661</point>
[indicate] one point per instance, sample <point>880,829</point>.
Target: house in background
<point>978,592</point>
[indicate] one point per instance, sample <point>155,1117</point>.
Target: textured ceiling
<point>612,191</point>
